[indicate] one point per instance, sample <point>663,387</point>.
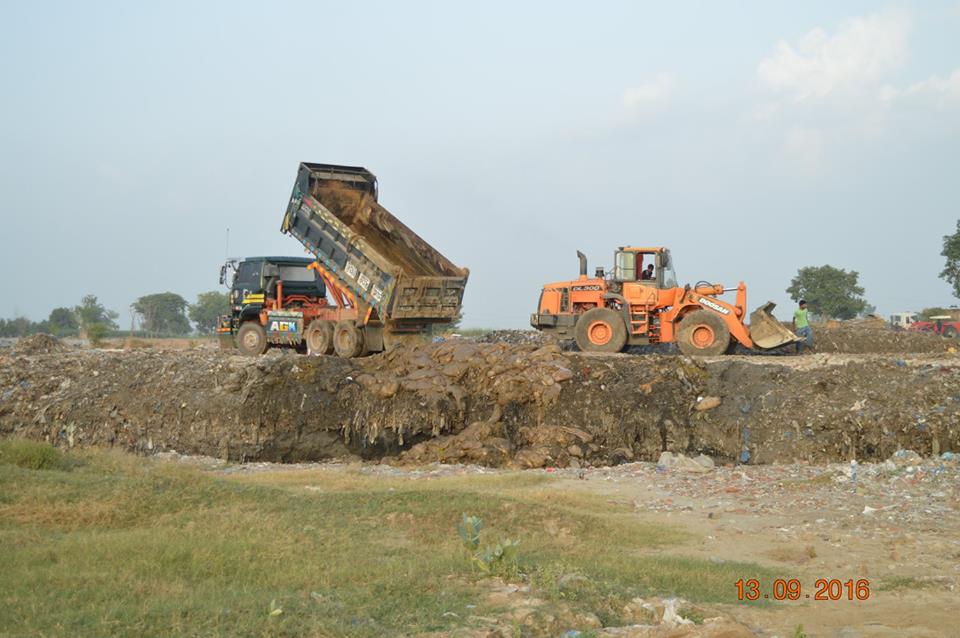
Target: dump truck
<point>383,283</point>
<point>641,303</point>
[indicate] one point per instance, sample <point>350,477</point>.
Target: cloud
<point>861,51</point>
<point>935,89</point>
<point>656,92</point>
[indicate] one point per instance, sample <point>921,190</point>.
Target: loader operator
<point>647,275</point>
<point>801,326</point>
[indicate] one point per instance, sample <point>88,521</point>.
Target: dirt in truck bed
<point>498,404</point>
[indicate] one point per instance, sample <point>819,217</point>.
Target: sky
<point>752,138</point>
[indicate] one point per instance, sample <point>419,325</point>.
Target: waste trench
<point>498,404</point>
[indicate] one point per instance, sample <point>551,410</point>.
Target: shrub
<point>499,559</point>
<point>32,455</point>
<point>96,332</point>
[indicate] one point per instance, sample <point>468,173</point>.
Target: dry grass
<point>122,545</point>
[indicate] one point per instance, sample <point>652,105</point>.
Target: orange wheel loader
<point>640,303</point>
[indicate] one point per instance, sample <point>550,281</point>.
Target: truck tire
<point>319,337</point>
<point>601,330</point>
<point>252,339</point>
<point>703,334</point>
<point>347,340</point>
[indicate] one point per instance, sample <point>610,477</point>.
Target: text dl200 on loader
<point>609,312</point>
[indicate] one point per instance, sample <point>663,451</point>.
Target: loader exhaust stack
<point>583,264</point>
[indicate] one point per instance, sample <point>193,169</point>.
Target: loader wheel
<point>252,339</point>
<point>347,340</point>
<point>601,330</point>
<point>704,334</point>
<point>319,337</point>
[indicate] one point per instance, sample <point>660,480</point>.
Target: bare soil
<point>495,404</point>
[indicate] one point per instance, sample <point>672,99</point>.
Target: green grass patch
<point>894,583</point>
<point>33,455</point>
<point>124,546</point>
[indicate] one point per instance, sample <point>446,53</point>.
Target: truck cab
<point>270,292</point>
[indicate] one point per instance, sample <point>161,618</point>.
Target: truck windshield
<point>248,275</point>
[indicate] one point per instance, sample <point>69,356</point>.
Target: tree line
<point>834,293</point>
<point>163,313</point>
<point>830,293</point>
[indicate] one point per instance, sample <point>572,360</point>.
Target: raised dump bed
<point>388,271</point>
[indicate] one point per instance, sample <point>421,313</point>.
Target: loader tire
<point>319,337</point>
<point>347,340</point>
<point>252,339</point>
<point>601,330</point>
<point>703,334</point>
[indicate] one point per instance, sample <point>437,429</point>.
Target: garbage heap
<point>495,404</point>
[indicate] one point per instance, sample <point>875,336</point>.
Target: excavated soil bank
<point>496,404</point>
<point>856,336</point>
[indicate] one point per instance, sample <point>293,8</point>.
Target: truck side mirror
<point>223,274</point>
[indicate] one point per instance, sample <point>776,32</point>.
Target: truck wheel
<point>320,337</point>
<point>704,334</point>
<point>252,339</point>
<point>347,340</point>
<point>601,330</point>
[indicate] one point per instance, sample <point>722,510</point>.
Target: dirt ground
<point>893,524</point>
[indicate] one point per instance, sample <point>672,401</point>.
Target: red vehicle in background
<point>943,325</point>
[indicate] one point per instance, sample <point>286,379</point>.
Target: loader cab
<point>632,265</point>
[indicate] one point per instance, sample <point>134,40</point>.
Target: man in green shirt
<point>801,326</point>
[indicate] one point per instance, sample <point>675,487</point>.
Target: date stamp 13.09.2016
<point>792,589</point>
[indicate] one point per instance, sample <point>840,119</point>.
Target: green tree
<point>951,250</point>
<point>830,292</point>
<point>163,313</point>
<point>207,310</point>
<point>96,333</point>
<point>62,321</point>
<point>20,327</point>
<point>91,311</point>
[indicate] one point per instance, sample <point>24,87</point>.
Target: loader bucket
<point>765,331</point>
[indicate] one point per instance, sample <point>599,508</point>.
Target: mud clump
<point>40,343</point>
<point>455,369</point>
